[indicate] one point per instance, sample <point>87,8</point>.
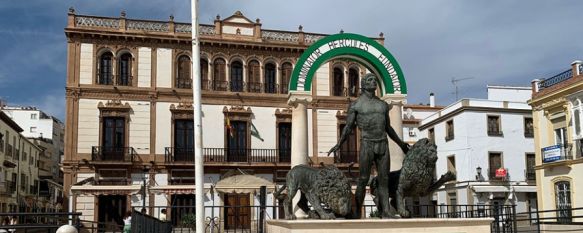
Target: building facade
<point>557,112</point>
<point>488,143</point>
<point>19,173</point>
<point>129,135</point>
<point>47,133</point>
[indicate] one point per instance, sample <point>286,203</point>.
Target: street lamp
<point>146,169</point>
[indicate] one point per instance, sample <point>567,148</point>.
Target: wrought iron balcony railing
<point>530,174</point>
<point>119,154</point>
<point>174,154</point>
<point>559,152</point>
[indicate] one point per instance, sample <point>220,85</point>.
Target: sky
<point>494,42</point>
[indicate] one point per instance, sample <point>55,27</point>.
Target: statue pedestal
<point>414,225</point>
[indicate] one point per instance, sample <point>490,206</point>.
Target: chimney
<point>534,84</point>
<point>431,100</point>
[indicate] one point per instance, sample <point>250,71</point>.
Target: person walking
<point>127,222</point>
<point>163,216</point>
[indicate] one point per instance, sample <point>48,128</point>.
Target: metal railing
<point>38,222</point>
<point>548,82</point>
<point>119,154</point>
<point>143,223</point>
<point>174,154</point>
<point>557,220</point>
<point>566,153</point>
<point>530,174</point>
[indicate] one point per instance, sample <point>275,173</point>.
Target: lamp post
<point>479,174</point>
<point>146,170</point>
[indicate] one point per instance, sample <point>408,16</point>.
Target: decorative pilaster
<point>396,101</point>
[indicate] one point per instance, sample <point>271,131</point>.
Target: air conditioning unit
<point>412,133</point>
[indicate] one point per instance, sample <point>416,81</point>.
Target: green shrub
<point>188,220</point>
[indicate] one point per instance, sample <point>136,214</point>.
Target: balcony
<point>530,174</point>
<point>549,82</point>
<point>113,154</point>
<point>559,152</point>
<point>250,87</point>
<point>10,188</point>
<point>173,154</point>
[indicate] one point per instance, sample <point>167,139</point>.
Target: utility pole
<point>196,99</point>
<point>454,81</point>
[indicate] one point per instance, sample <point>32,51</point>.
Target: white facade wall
<point>514,94</point>
<point>164,67</point>
<point>139,131</point>
<point>327,131</point>
<point>322,77</point>
<point>163,127</point>
<point>144,67</point>
<point>86,64</point>
<point>88,129</point>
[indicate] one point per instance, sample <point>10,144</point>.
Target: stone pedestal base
<point>416,225</point>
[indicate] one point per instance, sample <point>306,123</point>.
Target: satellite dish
<point>409,114</point>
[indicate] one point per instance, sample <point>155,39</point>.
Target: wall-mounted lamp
<point>479,176</point>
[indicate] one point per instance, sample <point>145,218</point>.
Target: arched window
<point>353,81</point>
<point>286,70</point>
<point>563,201</point>
<point>204,72</point>
<point>337,82</point>
<point>236,76</point>
<point>183,77</point>
<point>105,69</point>
<point>219,75</point>
<point>269,78</point>
<point>124,69</point>
<point>254,77</point>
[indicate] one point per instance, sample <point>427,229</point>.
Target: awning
<point>503,189</point>
<point>105,189</point>
<point>243,184</point>
<point>176,189</point>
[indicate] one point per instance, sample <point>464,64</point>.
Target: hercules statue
<point>371,115</point>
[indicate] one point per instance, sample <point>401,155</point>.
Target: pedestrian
<point>163,215</point>
<point>127,222</point>
<point>13,221</point>
<point>5,223</point>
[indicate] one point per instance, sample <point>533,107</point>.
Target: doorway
<point>237,211</point>
<point>111,211</point>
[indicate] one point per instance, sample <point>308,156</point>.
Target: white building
<point>478,138</point>
<point>40,126</point>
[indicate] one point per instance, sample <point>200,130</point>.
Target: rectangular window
<point>449,130</point>
<point>237,141</point>
<point>113,138</point>
<point>528,127</point>
<point>22,181</point>
<point>431,135</point>
<point>563,201</point>
<point>284,141</point>
<point>561,136</point>
<point>495,162</point>
<point>33,116</point>
<point>530,173</point>
<point>1,142</point>
<point>24,156</point>
<point>452,202</point>
<point>348,152</point>
<point>183,140</point>
<point>451,163</point>
<point>494,126</point>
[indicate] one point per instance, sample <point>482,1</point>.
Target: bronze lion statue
<point>322,187</point>
<point>415,179</point>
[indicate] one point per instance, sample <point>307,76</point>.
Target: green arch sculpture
<point>364,50</point>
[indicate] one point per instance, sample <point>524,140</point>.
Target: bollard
<point>67,229</point>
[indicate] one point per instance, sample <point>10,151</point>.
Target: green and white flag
<point>255,133</point>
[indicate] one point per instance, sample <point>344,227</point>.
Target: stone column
<point>396,115</point>
<point>299,101</point>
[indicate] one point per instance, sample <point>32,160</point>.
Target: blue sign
<point>551,153</point>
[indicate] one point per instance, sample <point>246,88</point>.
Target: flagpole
<point>196,97</point>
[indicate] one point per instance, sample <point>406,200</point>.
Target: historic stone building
<point>129,112</point>
<point>557,109</point>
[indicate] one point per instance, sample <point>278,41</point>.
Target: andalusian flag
<point>255,132</point>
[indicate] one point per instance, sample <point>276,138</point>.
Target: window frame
<point>179,81</point>
<point>100,69</point>
<point>498,126</point>
<point>449,127</point>
<point>528,133</point>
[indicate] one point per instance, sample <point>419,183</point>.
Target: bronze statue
<point>326,185</point>
<point>371,115</point>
